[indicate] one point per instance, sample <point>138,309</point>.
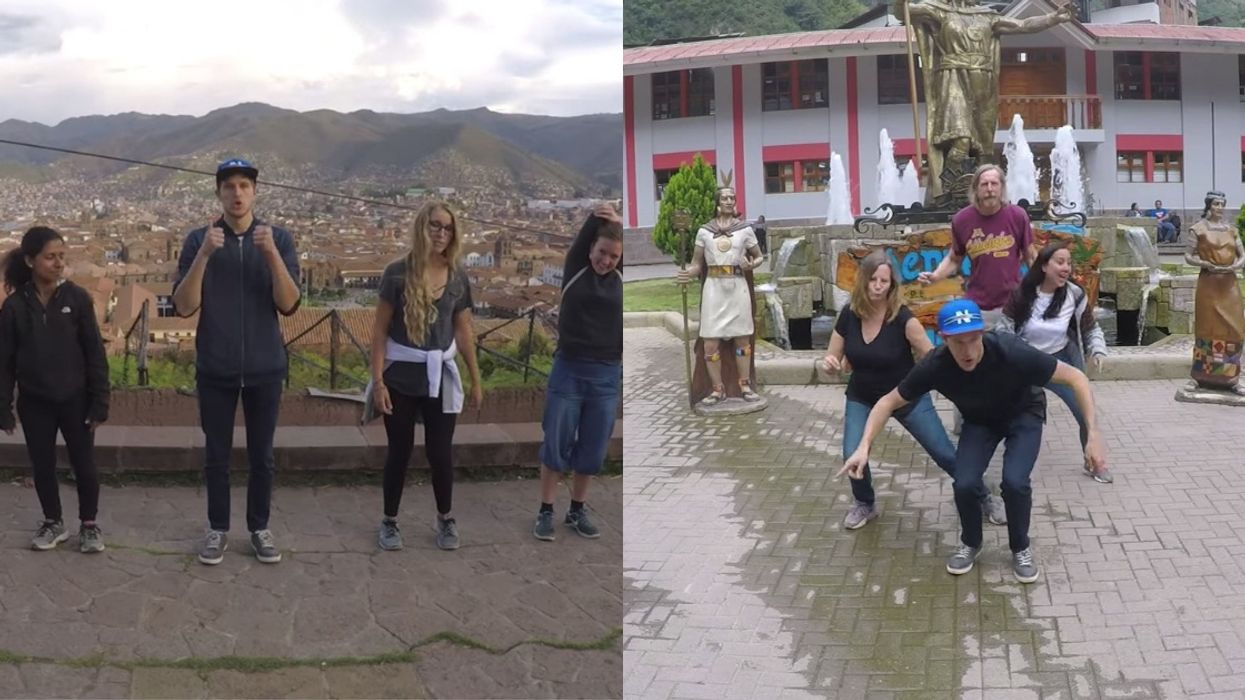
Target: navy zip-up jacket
<point>238,341</point>
<point>53,353</point>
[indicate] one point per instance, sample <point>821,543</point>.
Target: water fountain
<point>1066,186</point>
<point>910,190</point>
<point>840,209</point>
<point>784,257</point>
<point>1022,172</point>
<point>770,297</point>
<point>889,181</point>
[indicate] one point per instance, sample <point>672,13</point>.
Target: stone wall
<point>167,407</point>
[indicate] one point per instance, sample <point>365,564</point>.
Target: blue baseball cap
<point>960,316</point>
<point>236,165</point>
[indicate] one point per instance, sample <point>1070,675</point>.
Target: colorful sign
<point>923,252</point>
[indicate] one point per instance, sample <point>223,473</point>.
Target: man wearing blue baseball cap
<point>996,382</point>
<point>238,272</point>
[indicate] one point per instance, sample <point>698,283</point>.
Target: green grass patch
<point>665,295</point>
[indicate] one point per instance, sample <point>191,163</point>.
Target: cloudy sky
<point>65,58</point>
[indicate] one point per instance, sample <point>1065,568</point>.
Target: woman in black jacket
<point>50,347</point>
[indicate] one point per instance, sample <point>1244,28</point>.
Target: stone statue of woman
<point>1218,314</point>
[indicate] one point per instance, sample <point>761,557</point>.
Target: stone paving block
<point>1130,570</point>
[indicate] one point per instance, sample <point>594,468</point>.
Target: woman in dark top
<point>423,320</point>
<point>878,336</point>
<point>50,347</point>
<point>585,382</point>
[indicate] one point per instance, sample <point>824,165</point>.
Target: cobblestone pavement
<point>741,582</point>
<point>504,616</point>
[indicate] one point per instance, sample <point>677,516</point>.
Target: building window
<point>1167,166</point>
<point>815,175</point>
<point>1243,167</point>
<point>893,80</point>
<point>1240,69</point>
<point>1147,75</point>
<point>164,307</point>
<point>794,84</point>
<point>1130,166</point>
<point>661,178</point>
<point>780,178</point>
<point>683,93</point>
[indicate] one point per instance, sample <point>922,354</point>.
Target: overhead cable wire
<point>280,185</point>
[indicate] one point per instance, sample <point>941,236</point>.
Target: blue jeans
<point>1167,232</point>
<point>580,403</point>
<point>1065,392</point>
<point>1022,438</point>
<point>920,420</point>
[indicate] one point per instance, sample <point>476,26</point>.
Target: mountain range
<point>579,153</point>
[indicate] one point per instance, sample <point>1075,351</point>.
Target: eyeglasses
<point>438,227</point>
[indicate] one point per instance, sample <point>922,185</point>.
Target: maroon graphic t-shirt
<point>995,246</point>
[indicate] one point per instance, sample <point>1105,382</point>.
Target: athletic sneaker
<point>90,539</point>
<point>579,521</point>
<point>859,514</point>
<point>1024,567</point>
<point>49,534</point>
<point>447,534</point>
<point>543,530</point>
<point>265,547</point>
<point>390,539</point>
<point>214,546</point>
<point>961,560</point>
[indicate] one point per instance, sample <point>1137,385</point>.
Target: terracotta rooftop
<point>882,39</point>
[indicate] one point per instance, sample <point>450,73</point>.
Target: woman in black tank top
<point>875,338</point>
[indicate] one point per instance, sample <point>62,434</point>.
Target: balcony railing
<point>1052,111</point>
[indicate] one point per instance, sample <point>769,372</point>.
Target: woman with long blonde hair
<point>878,335</point>
<point>423,321</point>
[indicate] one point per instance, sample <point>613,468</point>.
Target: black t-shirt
<point>1007,382</point>
<point>878,366</point>
<point>411,378</point>
<point>590,313</point>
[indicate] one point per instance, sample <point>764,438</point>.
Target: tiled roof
<point>882,38</point>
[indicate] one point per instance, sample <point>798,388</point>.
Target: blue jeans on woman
<point>920,420</point>
<point>1063,391</point>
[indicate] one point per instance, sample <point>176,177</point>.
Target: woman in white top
<point>1053,315</point>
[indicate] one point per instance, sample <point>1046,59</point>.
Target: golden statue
<point>960,51</point>
<point>1218,314</point>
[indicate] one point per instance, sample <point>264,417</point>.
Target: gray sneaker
<point>214,546</point>
<point>447,534</point>
<point>1023,565</point>
<point>90,539</point>
<point>994,510</point>
<point>579,521</point>
<point>859,514</point>
<point>265,547</point>
<point>961,560</point>
<point>390,538</point>
<point>49,534</point>
<point>543,530</point>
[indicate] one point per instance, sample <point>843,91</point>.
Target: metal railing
<point>336,328</point>
<point>525,363</point>
<point>339,376</point>
<point>137,335</point>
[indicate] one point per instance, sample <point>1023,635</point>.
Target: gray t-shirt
<point>411,378</point>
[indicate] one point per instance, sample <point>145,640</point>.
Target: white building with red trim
<point>1158,110</point>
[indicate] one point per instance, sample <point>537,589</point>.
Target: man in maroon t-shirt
<point>996,236</point>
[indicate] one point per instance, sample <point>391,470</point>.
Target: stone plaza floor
<point>741,582</point>
<point>505,615</point>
